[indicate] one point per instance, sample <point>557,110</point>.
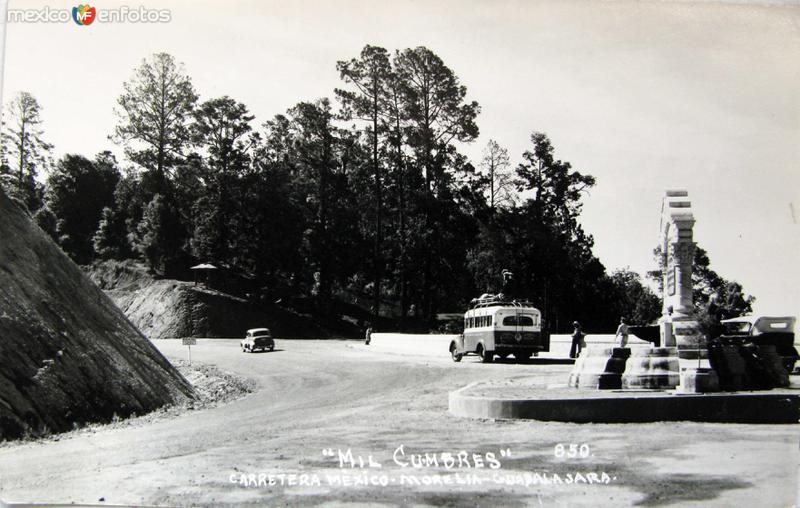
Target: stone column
<point>678,326</point>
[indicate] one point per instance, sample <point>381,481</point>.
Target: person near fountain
<point>622,333</point>
<point>577,341</point>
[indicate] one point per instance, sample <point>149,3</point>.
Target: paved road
<point>315,396</point>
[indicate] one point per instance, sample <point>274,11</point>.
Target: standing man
<point>622,333</point>
<point>715,314</point>
<point>368,334</point>
<point>509,291</point>
<point>577,341</point>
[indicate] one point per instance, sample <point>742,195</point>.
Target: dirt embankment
<point>166,308</point>
<point>68,355</point>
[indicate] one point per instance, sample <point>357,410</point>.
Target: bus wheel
<point>486,356</point>
<point>454,354</point>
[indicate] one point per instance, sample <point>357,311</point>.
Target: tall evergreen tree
<point>370,75</point>
<point>221,129</point>
<point>434,104</point>
<point>154,113</point>
<point>332,234</point>
<point>497,178</point>
<point>24,153</point>
<point>436,114</point>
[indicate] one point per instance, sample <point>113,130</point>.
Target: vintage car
<point>764,330</point>
<point>257,338</point>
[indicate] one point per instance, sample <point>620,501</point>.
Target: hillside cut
<point>68,355</point>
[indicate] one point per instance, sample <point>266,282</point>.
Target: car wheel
<point>272,347</point>
<point>454,354</point>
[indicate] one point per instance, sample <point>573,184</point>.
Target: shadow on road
<point>532,361</point>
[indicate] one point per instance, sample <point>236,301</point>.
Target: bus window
<point>517,321</point>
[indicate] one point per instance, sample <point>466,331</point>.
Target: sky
<point>645,96</point>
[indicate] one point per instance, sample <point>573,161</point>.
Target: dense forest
<point>363,198</point>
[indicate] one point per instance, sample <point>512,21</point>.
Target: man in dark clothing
<point>577,341</point>
<point>509,290</point>
<point>715,314</point>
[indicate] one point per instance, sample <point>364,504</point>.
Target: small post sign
<point>190,341</point>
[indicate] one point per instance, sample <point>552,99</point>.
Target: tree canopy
<point>367,199</point>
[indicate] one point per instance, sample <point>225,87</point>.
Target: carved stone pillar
<point>678,326</point>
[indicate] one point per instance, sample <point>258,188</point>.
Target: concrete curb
<point>634,407</point>
<point>438,345</point>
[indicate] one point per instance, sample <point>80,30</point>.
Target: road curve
<point>315,396</point>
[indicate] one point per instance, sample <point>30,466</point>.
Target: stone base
<point>693,354</point>
<point>599,368</point>
<point>687,334</point>
<point>655,368</point>
<point>702,380</point>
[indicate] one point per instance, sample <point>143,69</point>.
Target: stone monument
<point>681,361</point>
<point>678,326</point>
<point>679,329</point>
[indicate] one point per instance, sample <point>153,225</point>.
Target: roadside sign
<point>190,341</point>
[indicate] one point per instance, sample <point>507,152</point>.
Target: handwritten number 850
<point>572,450</point>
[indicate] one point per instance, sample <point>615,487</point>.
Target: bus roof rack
<point>487,300</point>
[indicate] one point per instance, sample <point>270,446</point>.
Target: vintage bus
<point>493,326</point>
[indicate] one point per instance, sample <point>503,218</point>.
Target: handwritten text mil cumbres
<point>407,468</point>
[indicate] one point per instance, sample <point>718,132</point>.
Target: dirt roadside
<point>316,397</point>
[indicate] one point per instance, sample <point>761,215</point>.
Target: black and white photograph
<point>409,253</point>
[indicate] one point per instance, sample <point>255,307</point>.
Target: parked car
<point>257,338</point>
<point>764,330</point>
